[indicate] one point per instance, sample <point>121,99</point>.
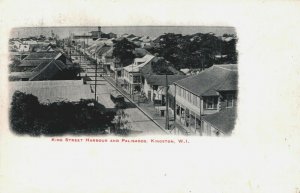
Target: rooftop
<point>21,74</point>
<point>160,80</point>
<point>42,55</point>
<point>139,63</point>
<point>104,49</point>
<point>215,78</point>
<point>224,120</point>
<point>140,52</point>
<point>53,91</point>
<point>31,63</point>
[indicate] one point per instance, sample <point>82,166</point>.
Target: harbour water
<point>152,31</point>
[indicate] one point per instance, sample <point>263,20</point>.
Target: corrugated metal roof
<point>41,55</point>
<point>223,120</point>
<point>211,79</point>
<point>135,68</point>
<point>53,91</point>
<point>103,50</point>
<point>31,63</point>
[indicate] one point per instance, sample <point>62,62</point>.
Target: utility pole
<point>175,109</point>
<point>167,102</point>
<point>96,82</point>
<point>79,56</point>
<point>132,83</point>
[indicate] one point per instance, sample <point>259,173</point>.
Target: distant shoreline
<point>152,31</point>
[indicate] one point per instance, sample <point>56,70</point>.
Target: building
<point>112,35</point>
<point>48,56</point>
<point>96,34</point>
<point>154,87</point>
<point>220,123</point>
<point>24,48</point>
<point>53,90</point>
<point>146,42</point>
<point>96,45</point>
<point>206,93</point>
<point>132,75</point>
<point>103,56</point>
<point>40,66</point>
<point>154,83</point>
<point>99,34</point>
<point>42,47</point>
<point>15,42</point>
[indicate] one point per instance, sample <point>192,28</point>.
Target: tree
<point>24,113</point>
<point>121,123</point>
<point>28,116</point>
<point>123,51</point>
<point>195,51</point>
<point>161,66</point>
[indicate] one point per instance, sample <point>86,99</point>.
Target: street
<point>139,123</point>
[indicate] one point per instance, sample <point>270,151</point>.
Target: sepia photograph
<point>137,80</point>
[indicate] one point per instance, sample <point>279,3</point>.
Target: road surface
<point>140,124</point>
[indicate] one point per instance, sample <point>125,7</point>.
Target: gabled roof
<point>146,39</point>
<point>104,49</point>
<point>98,44</point>
<point>223,120</point>
<point>136,68</point>
<point>135,39</point>
<point>47,70</point>
<point>130,36</point>
<point>41,48</point>
<point>42,55</point>
<point>109,53</point>
<point>217,77</point>
<point>31,63</point>
<point>148,69</point>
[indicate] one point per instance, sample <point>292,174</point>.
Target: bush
<point>28,116</point>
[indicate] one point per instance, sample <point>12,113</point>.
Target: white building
<point>204,94</point>
<point>132,75</point>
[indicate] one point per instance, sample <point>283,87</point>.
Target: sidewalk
<point>146,107</point>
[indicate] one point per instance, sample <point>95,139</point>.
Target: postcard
<point>150,96</point>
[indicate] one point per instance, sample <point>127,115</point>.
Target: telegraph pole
<point>167,102</point>
<point>96,81</point>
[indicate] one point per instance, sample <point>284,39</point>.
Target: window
<point>136,79</point>
<point>211,102</point>
<point>229,100</point>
